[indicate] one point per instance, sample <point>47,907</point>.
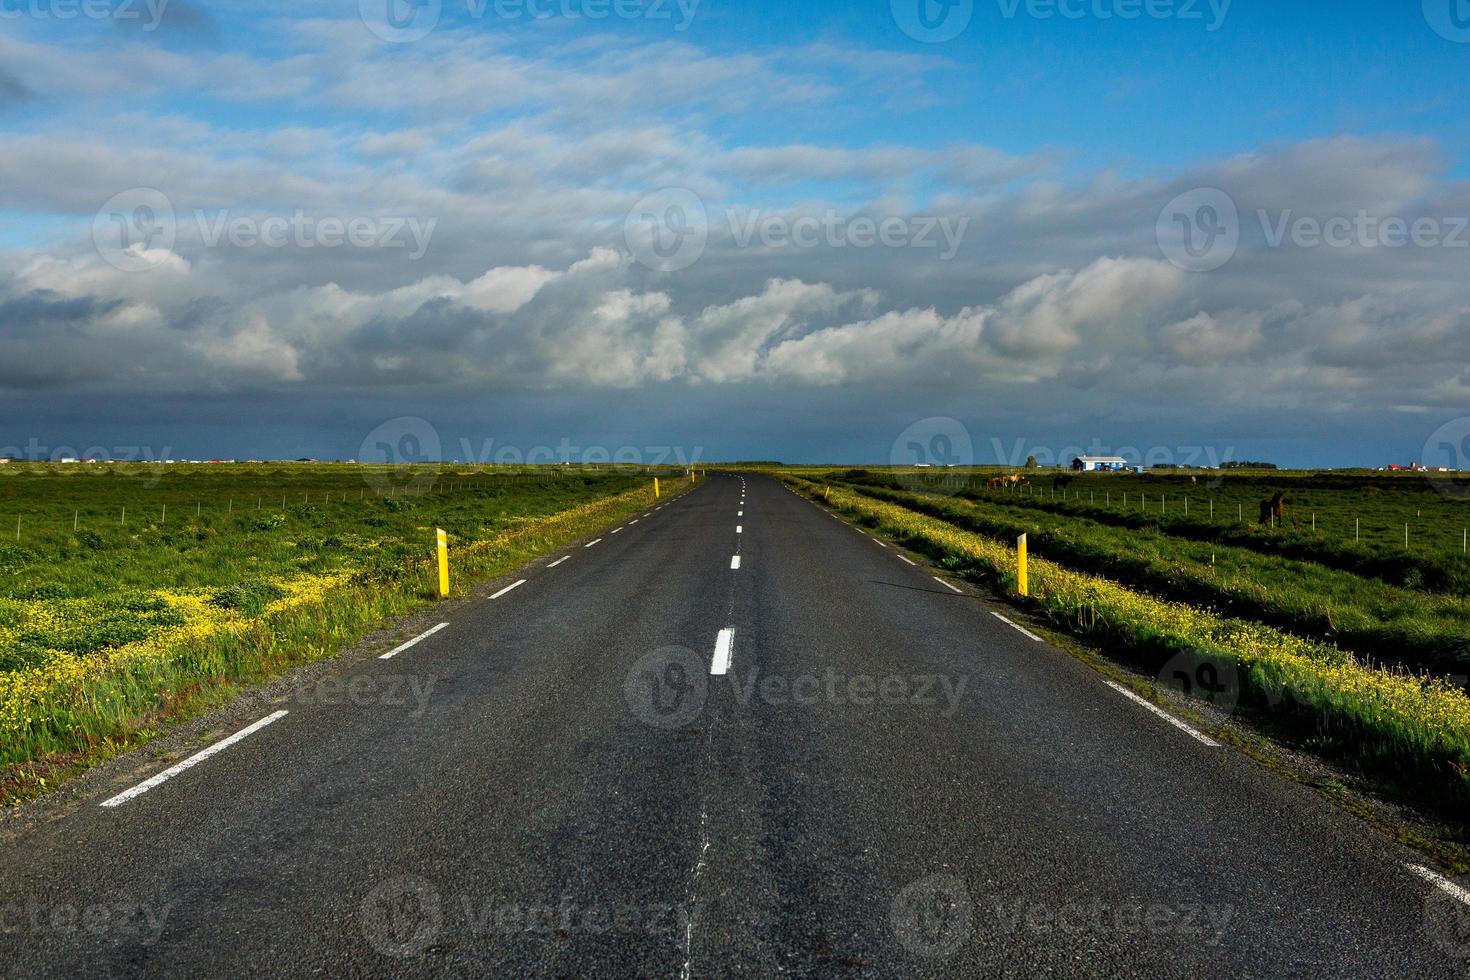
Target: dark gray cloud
<point>13,91</point>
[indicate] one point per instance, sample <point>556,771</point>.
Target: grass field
<point>132,594</point>
<point>1355,522</point>
<point>1381,623</point>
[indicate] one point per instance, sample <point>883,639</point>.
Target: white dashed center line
<point>734,562</point>
<point>509,588</point>
<point>413,642</point>
<point>192,761</point>
<point>724,650</point>
<point>739,529</point>
<point>1149,705</point>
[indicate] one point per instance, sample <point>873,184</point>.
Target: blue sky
<point>505,172</point>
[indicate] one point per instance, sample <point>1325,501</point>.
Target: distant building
<point>1095,464</point>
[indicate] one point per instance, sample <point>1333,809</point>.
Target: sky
<point>888,231</point>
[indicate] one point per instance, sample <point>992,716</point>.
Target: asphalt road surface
<point>649,759</point>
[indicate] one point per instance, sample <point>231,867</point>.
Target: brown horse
<point>1273,510</point>
<point>1061,481</point>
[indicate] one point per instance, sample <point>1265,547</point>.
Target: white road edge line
<point>191,762</point>
<point>913,563</point>
<point>948,586</point>
<point>724,645</point>
<point>413,642</point>
<point>558,561</point>
<point>616,530</point>
<point>1144,702</point>
<point>734,563</point>
<point>591,543</point>
<point>1441,882</point>
<point>509,588</point>
<point>634,521</point>
<point>1016,626</point>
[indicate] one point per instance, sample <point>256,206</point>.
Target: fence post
<point>443,563</point>
<point>655,488</point>
<point>1023,584</point>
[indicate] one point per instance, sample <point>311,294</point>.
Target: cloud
<point>13,91</point>
<point>1204,340</point>
<point>529,148</point>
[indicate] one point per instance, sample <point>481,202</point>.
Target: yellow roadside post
<point>655,488</point>
<point>443,564</point>
<point>1023,586</point>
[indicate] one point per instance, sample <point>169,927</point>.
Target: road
<point>887,779</point>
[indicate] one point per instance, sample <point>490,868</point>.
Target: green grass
<point>110,628</point>
<point>161,527</point>
<point>1359,519</point>
<point>1380,623</point>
